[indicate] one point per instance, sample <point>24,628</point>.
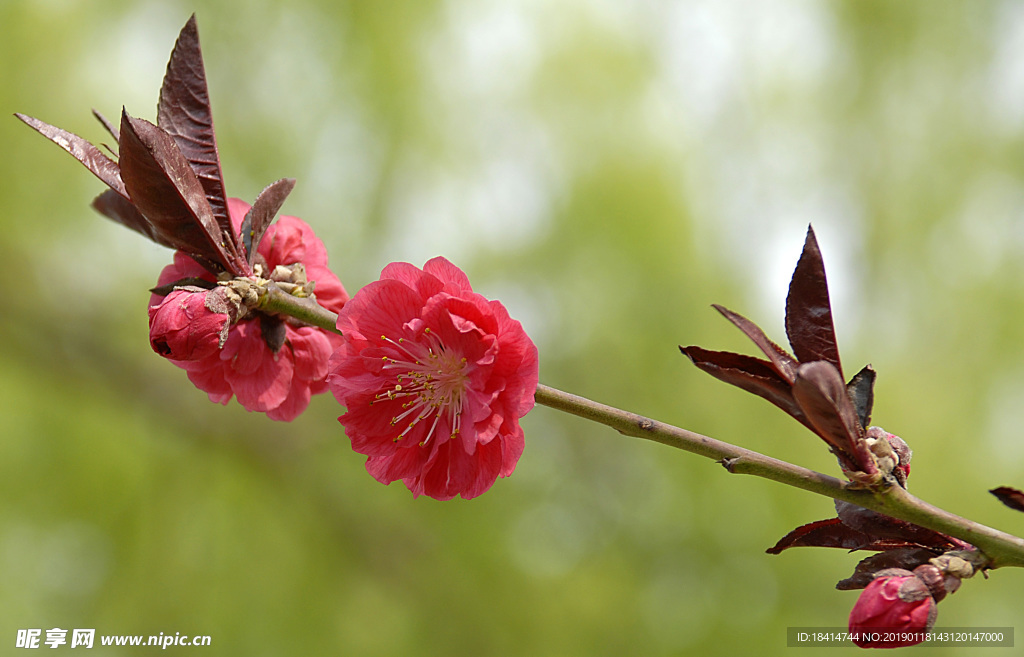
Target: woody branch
<point>1000,548</point>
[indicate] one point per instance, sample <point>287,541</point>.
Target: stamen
<point>428,379</point>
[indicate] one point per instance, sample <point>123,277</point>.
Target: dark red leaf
<point>262,213</point>
<point>823,533</point>
<point>93,158</point>
<point>114,206</point>
<point>163,187</point>
<point>821,394</point>
<point>1011,497</point>
<point>273,331</point>
<point>808,312</point>
<point>189,281</point>
<point>886,528</point>
<point>751,374</point>
<point>861,390</point>
<point>904,557</point>
<point>782,362</point>
<point>183,111</point>
<point>110,127</point>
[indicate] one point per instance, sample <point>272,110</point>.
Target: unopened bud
<point>934,579</point>
<point>191,323</point>
<point>892,454</point>
<point>897,607</point>
<point>954,565</point>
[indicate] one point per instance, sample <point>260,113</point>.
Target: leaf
<point>821,394</point>
<point>183,111</point>
<point>93,158</point>
<point>808,311</point>
<point>262,213</point>
<point>822,533</point>
<point>751,374</point>
<point>188,281</point>
<point>868,531</point>
<point>907,558</point>
<point>861,390</point>
<point>273,331</point>
<point>163,187</point>
<point>883,527</point>
<point>110,127</point>
<point>1011,497</point>
<point>782,362</point>
<point>118,208</point>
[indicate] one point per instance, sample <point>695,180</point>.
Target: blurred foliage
<point>608,170</point>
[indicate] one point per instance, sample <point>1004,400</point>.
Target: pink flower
<point>434,378</point>
<point>269,364</point>
<point>896,603</point>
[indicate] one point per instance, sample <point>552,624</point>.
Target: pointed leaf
<point>110,127</point>
<point>886,528</point>
<point>808,311</point>
<point>822,533</point>
<point>821,394</point>
<point>262,213</point>
<point>183,111</point>
<point>751,374</point>
<point>1011,497</point>
<point>274,331</point>
<point>861,389</point>
<point>908,558</point>
<point>114,206</point>
<point>784,364</point>
<point>188,281</point>
<point>161,184</point>
<point>93,158</point>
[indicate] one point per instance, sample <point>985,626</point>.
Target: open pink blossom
<point>434,378</point>
<point>893,611</point>
<point>267,363</point>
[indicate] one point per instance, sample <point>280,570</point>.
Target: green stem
<point>1002,549</point>
<point>276,301</point>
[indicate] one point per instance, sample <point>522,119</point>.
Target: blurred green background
<point>607,170</point>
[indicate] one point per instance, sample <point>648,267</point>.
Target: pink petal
<point>449,274</point>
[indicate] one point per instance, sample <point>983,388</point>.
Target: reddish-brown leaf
<point>262,213</point>
<point>903,557</point>
<point>751,374</point>
<point>861,390</point>
<point>808,311</point>
<point>163,187</point>
<point>886,528</point>
<point>183,111</point>
<point>110,127</point>
<point>821,394</point>
<point>784,364</point>
<point>93,158</point>
<point>823,533</point>
<point>114,206</point>
<point>1011,497</point>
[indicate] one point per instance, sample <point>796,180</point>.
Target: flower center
<point>429,379</point>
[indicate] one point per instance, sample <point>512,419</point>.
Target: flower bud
<point>191,323</point>
<point>892,454</point>
<point>953,564</point>
<point>934,579</point>
<point>896,603</point>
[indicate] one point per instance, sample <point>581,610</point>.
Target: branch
<point>275,301</point>
<point>1000,548</point>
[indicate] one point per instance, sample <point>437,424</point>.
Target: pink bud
<point>896,603</point>
<point>184,327</point>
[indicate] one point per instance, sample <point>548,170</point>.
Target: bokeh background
<point>608,170</point>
